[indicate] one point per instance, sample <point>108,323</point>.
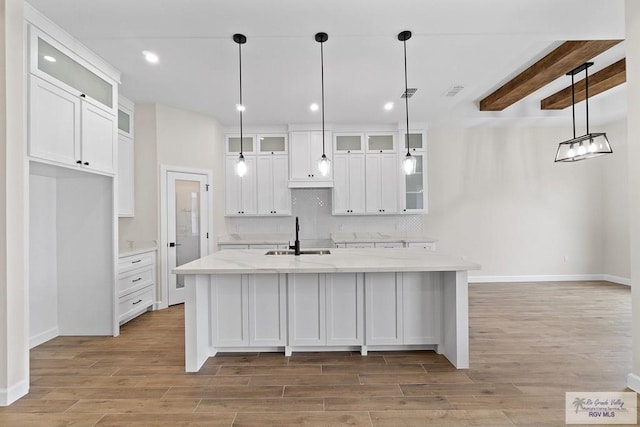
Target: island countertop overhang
<point>255,261</point>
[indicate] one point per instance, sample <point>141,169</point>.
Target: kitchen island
<point>348,299</point>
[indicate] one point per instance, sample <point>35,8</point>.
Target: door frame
<point>163,302</point>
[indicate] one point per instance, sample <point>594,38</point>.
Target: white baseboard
<point>11,394</point>
<point>633,382</point>
<point>43,337</point>
<point>550,278</point>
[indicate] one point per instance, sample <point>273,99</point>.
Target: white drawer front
<point>135,280</point>
<point>135,303</point>
<point>131,262</point>
<point>389,245</point>
<point>425,245</point>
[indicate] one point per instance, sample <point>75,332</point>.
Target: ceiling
<point>477,44</point>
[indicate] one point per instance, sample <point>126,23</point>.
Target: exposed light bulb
<point>571,152</point>
<point>241,166</point>
<point>151,57</point>
<point>593,147</point>
<point>409,164</point>
<point>324,165</point>
<point>388,106</point>
<point>581,149</point>
<point>240,107</point>
<point>314,107</point>
<point>49,58</point>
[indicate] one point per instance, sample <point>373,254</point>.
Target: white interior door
<point>187,229</point>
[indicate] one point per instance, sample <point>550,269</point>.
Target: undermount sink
<point>303,252</point>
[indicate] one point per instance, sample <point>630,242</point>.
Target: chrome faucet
<point>296,245</point>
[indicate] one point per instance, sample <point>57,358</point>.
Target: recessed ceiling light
<point>388,106</point>
<point>314,107</point>
<point>49,58</point>
<point>151,57</point>
<point>240,107</point>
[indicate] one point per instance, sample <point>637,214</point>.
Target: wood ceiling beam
<point>557,63</point>
<point>611,76</point>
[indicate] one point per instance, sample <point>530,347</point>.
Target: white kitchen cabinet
<point>344,309</point>
<point>349,184</point>
<point>136,284</point>
<point>382,183</point>
<point>326,309</point>
<point>383,309</point>
<point>403,308</point>
<point>126,174</point>
<point>67,129</point>
<point>392,245</point>
<point>380,142</point>
<point>423,245</point>
<point>232,145</point>
<point>247,314</point>
<point>305,149</point>
<point>414,197</point>
<point>240,192</point>
<point>273,193</point>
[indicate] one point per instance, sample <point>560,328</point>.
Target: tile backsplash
<point>313,207</point>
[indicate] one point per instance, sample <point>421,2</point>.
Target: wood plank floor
<point>530,343</point>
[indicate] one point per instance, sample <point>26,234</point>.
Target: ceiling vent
<point>453,90</point>
<point>409,92</point>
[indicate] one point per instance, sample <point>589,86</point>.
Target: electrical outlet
<point>565,259</point>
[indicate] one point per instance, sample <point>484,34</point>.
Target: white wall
<point>632,44</point>
<point>43,274</point>
<point>497,197</point>
<point>14,345</point>
<point>169,136</point>
<point>615,203</point>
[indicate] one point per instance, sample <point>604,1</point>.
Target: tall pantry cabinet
<point>71,115</point>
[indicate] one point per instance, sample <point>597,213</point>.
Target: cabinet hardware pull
<point>82,95</point>
<point>136,261</point>
<point>86,163</point>
<point>137,280</point>
<point>137,302</point>
<point>79,162</point>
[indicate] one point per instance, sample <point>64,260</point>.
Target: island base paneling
<point>326,312</point>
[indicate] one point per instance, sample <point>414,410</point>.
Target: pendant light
<point>590,144</point>
<point>241,166</point>
<point>409,161</point>
<point>324,164</point>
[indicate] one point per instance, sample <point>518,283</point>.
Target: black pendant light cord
<point>586,95</point>
<point>240,39</point>
<point>322,84</point>
<point>241,104</point>
<point>404,36</point>
<point>573,106</point>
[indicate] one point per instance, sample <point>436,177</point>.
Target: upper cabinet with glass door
<point>54,62</point>
<point>381,142</point>
<point>272,144</point>
<point>233,146</point>
<point>414,187</point>
<point>345,143</point>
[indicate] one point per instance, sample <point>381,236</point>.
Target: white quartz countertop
<point>373,237</point>
<point>247,261</point>
<point>255,239</point>
<point>129,248</point>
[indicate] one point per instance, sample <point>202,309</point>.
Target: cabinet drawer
<point>135,303</point>
<point>389,245</point>
<point>135,280</point>
<point>131,262</point>
<point>424,245</point>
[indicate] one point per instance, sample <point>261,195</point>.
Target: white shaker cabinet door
<point>99,129</point>
<point>345,309</point>
<point>281,192</point>
<point>306,295</point>
<point>383,309</point>
<point>267,309</point>
<point>421,297</point>
<point>356,183</point>
<point>299,150</point>
<point>54,123</point>
<point>125,177</point>
<point>389,183</point>
<point>265,186</point>
<point>229,314</point>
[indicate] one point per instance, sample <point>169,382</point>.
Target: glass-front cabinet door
<point>381,142</point>
<point>414,186</point>
<point>54,62</point>
<point>233,145</point>
<point>348,143</point>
